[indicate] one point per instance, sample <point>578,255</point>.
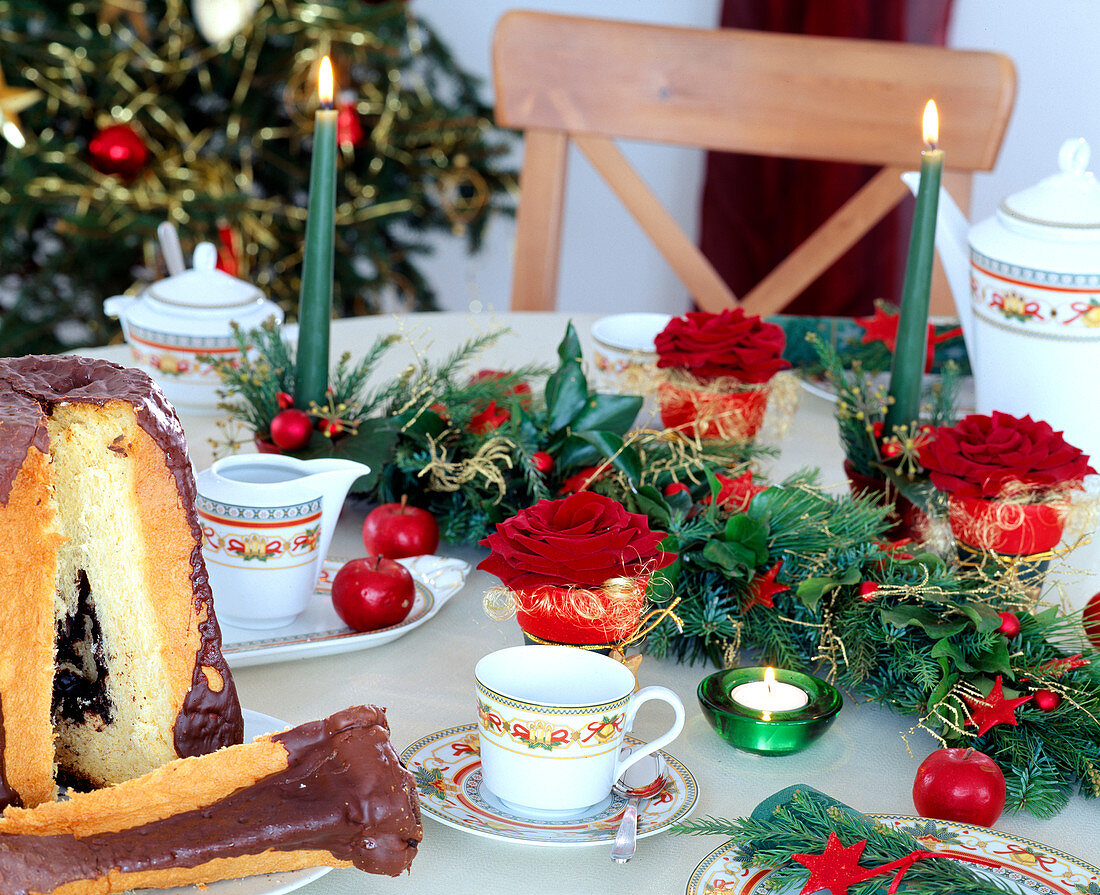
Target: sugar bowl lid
<point>1068,200</point>
<point>204,287</point>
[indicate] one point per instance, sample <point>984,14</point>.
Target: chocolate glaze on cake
<point>344,791</point>
<point>29,389</point>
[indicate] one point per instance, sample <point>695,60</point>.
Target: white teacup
<point>625,356</point>
<point>551,721</point>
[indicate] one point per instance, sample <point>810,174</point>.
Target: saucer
<point>1031,866</point>
<point>447,768</point>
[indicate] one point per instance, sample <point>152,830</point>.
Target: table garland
<point>785,571</point>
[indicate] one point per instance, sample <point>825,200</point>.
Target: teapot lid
<point>204,287</point>
<point>1069,199</point>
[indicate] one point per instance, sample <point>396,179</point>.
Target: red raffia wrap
<point>712,411</point>
<point>1007,528</point>
<point>586,616</point>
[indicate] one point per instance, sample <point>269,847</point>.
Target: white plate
<point>319,631</point>
<point>1022,864</point>
<point>447,768</point>
<point>255,725</point>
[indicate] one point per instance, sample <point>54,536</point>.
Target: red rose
<point>726,344</point>
<point>736,494</point>
<point>584,540</point>
<point>982,456</point>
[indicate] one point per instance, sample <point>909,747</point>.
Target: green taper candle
<point>907,368</point>
<point>315,298</point>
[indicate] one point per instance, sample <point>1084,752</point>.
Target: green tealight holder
<point>768,733</point>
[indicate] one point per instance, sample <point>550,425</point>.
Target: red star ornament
<point>883,327</point>
<point>836,868</point>
<point>764,587</point>
<point>994,709</point>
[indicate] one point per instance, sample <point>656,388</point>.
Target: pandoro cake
<point>329,792</point>
<point>111,663</point>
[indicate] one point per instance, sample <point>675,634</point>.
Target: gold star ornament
<point>14,100</point>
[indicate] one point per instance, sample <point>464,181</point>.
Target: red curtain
<point>755,210</point>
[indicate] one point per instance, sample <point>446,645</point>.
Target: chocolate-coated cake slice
<point>329,792</point>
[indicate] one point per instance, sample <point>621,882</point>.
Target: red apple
<point>397,530</point>
<point>962,785</point>
<point>372,593</point>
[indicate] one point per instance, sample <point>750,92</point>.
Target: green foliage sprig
<point>802,824</point>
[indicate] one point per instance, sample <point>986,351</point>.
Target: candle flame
<point>769,678</point>
<point>931,124</point>
<point>766,717</point>
<point>325,81</point>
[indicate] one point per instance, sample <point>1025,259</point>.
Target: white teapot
<point>180,318</point>
<point>1027,288</point>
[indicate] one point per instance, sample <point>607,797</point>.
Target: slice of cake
<point>329,792</point>
<point>111,646</point>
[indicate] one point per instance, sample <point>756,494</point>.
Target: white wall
<point>609,265</point>
<point>1053,45</point>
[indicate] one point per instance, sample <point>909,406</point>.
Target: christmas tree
<point>117,115</point>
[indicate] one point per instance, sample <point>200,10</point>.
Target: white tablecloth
<point>425,680</point>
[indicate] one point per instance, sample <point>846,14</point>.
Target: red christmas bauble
<point>542,461</point>
<point>1010,624</point>
<point>1091,618</point>
<point>1046,700</point>
<point>868,591</point>
<point>291,429</point>
<point>284,400</point>
<point>349,129</point>
<point>117,149</point>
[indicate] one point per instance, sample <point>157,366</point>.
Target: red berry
<point>868,591</point>
<point>1010,625</point>
<point>284,400</point>
<point>542,461</point>
<point>1046,700</point>
<point>291,429</point>
<point>675,488</point>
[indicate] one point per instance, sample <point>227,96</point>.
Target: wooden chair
<point>589,81</point>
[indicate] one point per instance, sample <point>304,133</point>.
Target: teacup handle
<point>642,696</point>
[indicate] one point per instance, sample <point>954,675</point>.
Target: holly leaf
<point>985,618</point>
<point>811,590</point>
<point>651,502</point>
<point>610,446</point>
<point>948,679</point>
<point>730,558</point>
<point>934,626</point>
<point>566,388</point>
<point>947,649</point>
<point>612,413</point>
<point>750,536</point>
<point>373,445</point>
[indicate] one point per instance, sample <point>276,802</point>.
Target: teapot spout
<point>952,228</point>
<point>333,478</point>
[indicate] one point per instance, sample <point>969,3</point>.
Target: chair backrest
<point>589,81</point>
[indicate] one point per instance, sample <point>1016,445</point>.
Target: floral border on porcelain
<point>1024,307</point>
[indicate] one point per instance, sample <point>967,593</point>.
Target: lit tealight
<point>770,695</point>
